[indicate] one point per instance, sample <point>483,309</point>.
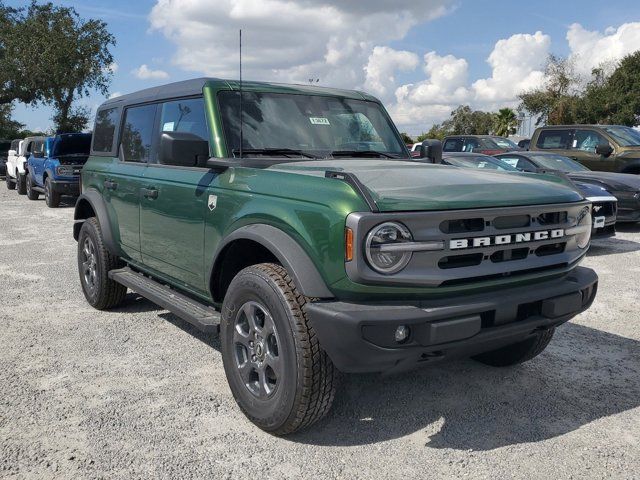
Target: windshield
<point>558,162</point>
<point>78,144</point>
<point>505,143</point>
<point>625,136</point>
<point>315,125</point>
<point>480,162</point>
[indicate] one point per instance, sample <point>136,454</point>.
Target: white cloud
<point>143,72</point>
<point>115,94</point>
<point>591,48</point>
<point>113,68</point>
<point>287,41</point>
<point>381,67</point>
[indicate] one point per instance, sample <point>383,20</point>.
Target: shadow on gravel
<point>628,227</point>
<point>612,246</point>
<point>584,375</point>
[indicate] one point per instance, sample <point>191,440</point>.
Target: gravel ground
<point>138,393</point>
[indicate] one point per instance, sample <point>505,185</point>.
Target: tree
<point>406,138</point>
<point>437,131</point>
<point>76,59</point>
<point>505,122</point>
<point>618,100</point>
<point>555,102</point>
<point>9,128</point>
<point>465,121</point>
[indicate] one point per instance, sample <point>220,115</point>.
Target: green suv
<point>292,220</point>
<point>608,148</point>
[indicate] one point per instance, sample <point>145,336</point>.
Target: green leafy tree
<point>555,102</point>
<point>76,59</point>
<point>465,121</point>
<point>406,138</point>
<point>505,122</point>
<point>9,128</point>
<point>437,131</point>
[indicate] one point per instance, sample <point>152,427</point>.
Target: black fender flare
<point>288,252</point>
<point>97,204</point>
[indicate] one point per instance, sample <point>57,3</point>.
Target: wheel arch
<point>264,243</point>
<point>90,204</point>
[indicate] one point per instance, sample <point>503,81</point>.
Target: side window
<point>104,130</point>
<point>185,116</point>
<point>554,139</point>
<point>137,133</point>
<point>588,140</point>
<point>511,161</point>
<point>453,145</point>
<point>470,144</point>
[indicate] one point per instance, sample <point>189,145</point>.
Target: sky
<point>422,58</point>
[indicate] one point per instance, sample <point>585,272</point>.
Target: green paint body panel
<point>175,236</point>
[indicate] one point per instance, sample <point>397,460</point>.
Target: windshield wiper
<point>360,153</point>
<point>275,151</point>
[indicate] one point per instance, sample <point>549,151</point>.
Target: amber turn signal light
<point>348,244</point>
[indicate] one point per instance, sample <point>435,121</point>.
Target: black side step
<point>201,316</point>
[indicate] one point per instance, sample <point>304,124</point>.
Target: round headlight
<point>384,247</point>
<point>584,220</point>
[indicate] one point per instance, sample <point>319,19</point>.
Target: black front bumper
<point>66,187</point>
<point>360,337</point>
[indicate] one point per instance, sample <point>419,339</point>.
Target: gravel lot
<point>138,393</point>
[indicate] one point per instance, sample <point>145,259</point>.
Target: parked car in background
<point>485,144</point>
<point>55,168</point>
<point>24,152</point>
<point>604,203</point>
<point>524,143</point>
<point>5,145</point>
<point>624,186</point>
<point>15,150</point>
<point>607,148</point>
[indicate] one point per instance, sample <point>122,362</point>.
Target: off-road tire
<point>51,198</point>
<point>11,185</point>
<point>107,293</point>
<point>31,193</point>
<point>308,382</point>
<point>21,184</point>
<point>517,352</point>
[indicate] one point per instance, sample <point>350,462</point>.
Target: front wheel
<point>31,193</point>
<point>21,184</point>
<point>517,352</point>
<point>94,264</point>
<point>51,198</point>
<point>277,371</point>
<point>10,183</point>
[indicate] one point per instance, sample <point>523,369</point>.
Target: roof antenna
<point>241,119</point>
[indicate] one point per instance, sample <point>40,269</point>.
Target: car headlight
<point>384,247</point>
<point>583,227</point>
<point>65,170</point>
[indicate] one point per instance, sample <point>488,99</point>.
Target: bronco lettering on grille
<point>476,242</point>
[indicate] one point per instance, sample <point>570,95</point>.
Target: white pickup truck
<point>17,161</point>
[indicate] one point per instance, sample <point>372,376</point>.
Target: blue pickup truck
<point>54,167</point>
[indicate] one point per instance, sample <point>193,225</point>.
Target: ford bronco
<point>292,220</point>
<point>54,169</point>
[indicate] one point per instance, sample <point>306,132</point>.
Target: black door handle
<point>150,193</point>
<point>109,185</point>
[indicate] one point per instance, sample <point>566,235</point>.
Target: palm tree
<point>505,122</point>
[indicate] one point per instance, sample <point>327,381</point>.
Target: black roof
<point>176,89</point>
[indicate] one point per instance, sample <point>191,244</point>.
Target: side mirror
<point>431,150</point>
<point>604,149</point>
<point>182,149</point>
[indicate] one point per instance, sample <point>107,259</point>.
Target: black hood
<point>614,182</point>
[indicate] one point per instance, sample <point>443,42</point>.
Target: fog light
<point>402,333</point>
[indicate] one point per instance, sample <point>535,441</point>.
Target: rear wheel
<point>517,352</point>
<point>51,198</point>
<point>94,264</point>
<point>277,371</point>
<point>21,183</point>
<point>10,183</point>
<point>31,193</point>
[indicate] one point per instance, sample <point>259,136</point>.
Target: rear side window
<point>137,133</point>
<point>588,140</point>
<point>550,139</point>
<point>185,116</point>
<point>105,129</point>
<point>452,145</point>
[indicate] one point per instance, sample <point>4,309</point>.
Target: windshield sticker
<point>168,127</point>
<point>319,121</point>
